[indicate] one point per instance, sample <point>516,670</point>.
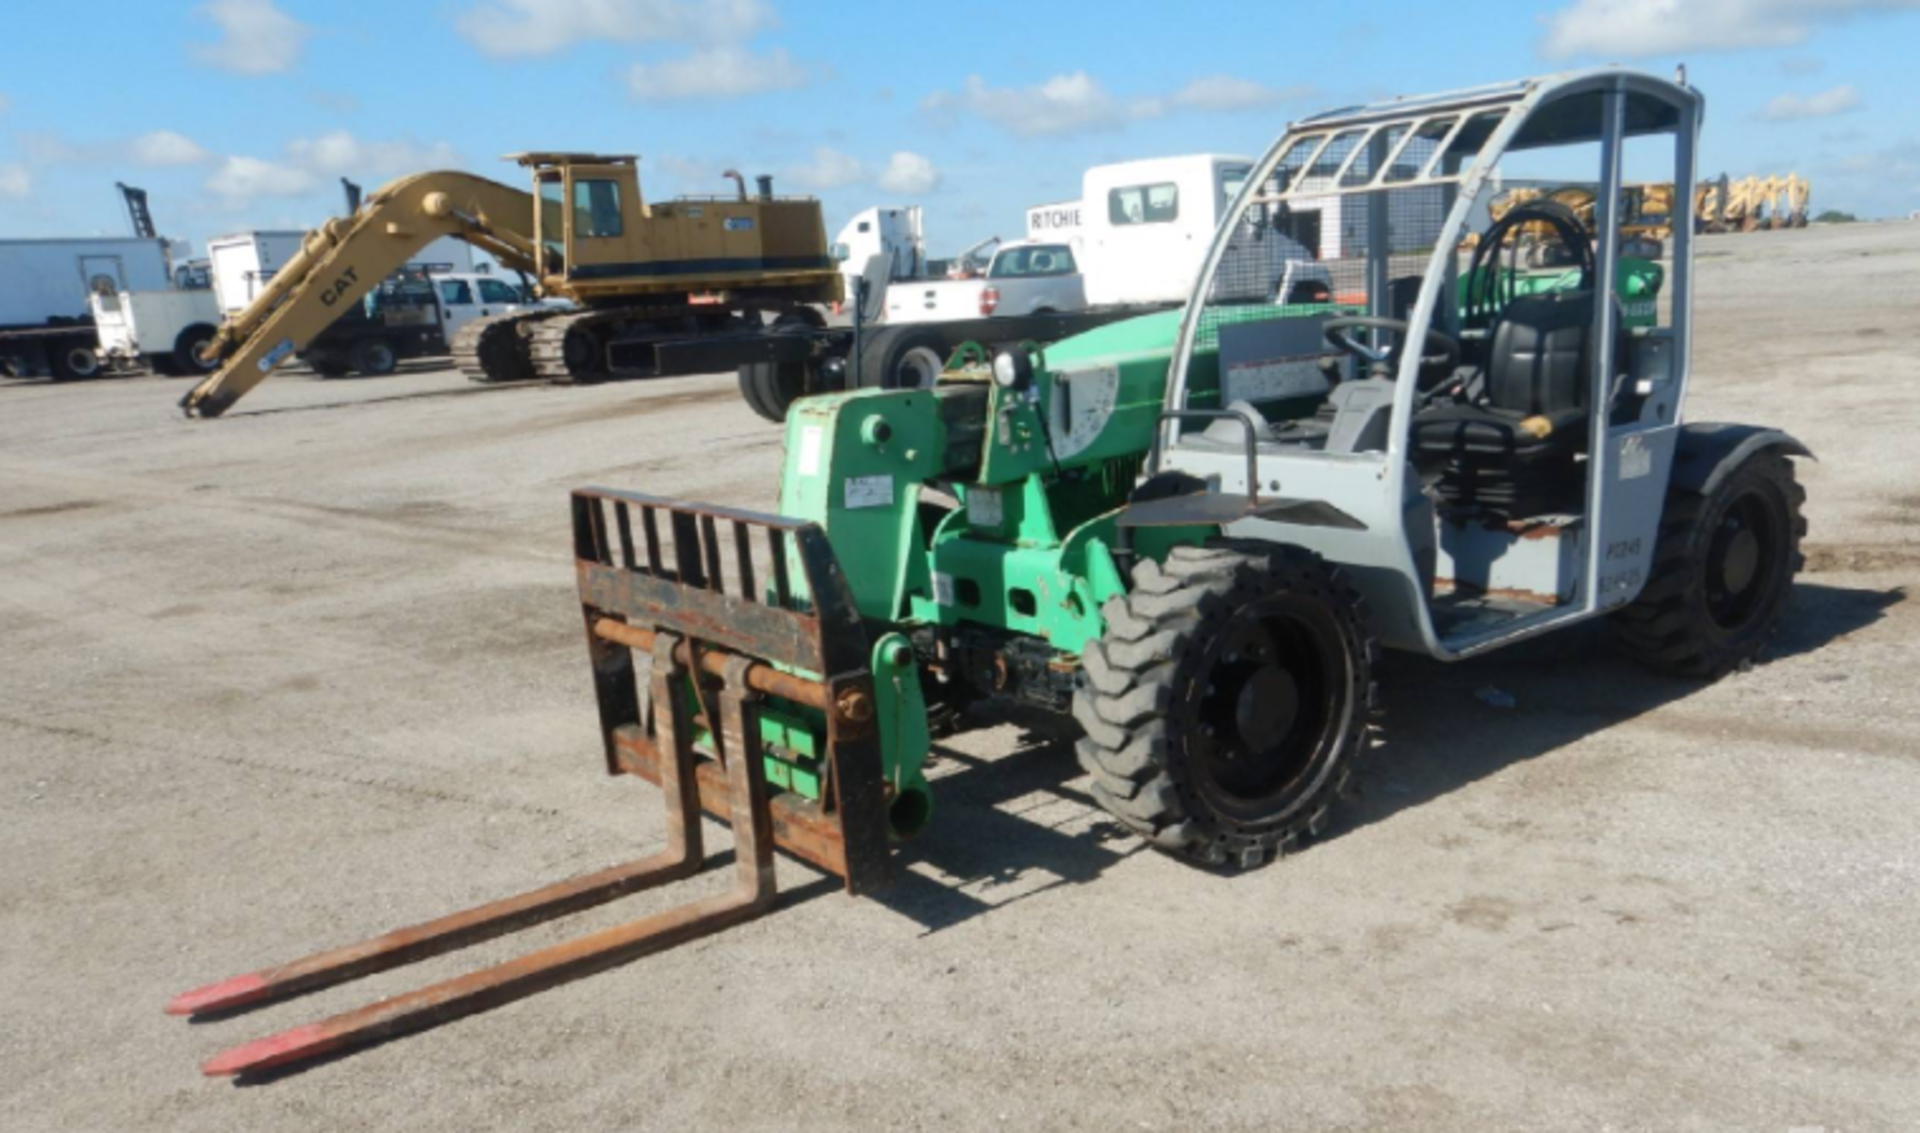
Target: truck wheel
<point>72,360</point>
<point>375,357</point>
<point>186,351</point>
<point>771,388</point>
<point>903,358</point>
<point>1226,701</point>
<point>1723,568</point>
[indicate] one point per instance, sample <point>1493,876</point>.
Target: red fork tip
<point>219,996</point>
<point>274,1050</point>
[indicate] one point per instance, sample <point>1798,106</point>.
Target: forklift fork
<point>700,639</point>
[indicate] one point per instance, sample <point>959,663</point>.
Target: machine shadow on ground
<point>1565,687</point>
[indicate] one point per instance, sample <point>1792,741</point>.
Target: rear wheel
<point>375,357</point>
<point>1723,569</point>
<point>73,360</point>
<point>903,358</point>
<point>187,348</point>
<point>1226,701</point>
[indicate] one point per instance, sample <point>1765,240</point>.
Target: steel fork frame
<point>752,894</point>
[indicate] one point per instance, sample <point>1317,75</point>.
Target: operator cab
<point>1472,401</point>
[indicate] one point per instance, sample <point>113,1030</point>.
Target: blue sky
<point>245,113</point>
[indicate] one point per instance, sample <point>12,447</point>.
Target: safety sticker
<point>983,507</point>
<point>810,441</point>
<point>1636,459</point>
<point>943,588</point>
<point>869,491</point>
<point>277,355</point>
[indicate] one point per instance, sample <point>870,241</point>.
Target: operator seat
<point>1509,450</point>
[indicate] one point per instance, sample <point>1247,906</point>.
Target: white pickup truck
<point>1027,277</point>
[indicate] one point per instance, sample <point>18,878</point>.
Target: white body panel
<point>1146,225</point>
<point>949,300</point>
<point>136,323</point>
<point>48,279</point>
<point>242,264</point>
<point>894,236</point>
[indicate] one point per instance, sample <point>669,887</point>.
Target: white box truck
<point>46,324</point>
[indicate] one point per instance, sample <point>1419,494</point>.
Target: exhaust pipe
<point>765,181</point>
<point>739,181</point>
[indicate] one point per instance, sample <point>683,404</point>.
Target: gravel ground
<point>315,670</point>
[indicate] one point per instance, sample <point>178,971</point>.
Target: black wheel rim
<point>1266,709</point>
<point>380,358</point>
<point>1741,561</point>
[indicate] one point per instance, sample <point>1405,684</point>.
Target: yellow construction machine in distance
<point>635,273</point>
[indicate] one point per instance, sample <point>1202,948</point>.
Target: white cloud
<point>908,174</point>
<point>256,38</point>
<point>542,27</point>
<point>1825,104</point>
<point>340,154</point>
<point>1064,104</point>
<point>1078,103</point>
<point>1225,92</point>
<point>1793,107</point>
<point>164,148</point>
<point>15,181</point>
<point>829,169</point>
<point>716,73</point>
<point>241,179</point>
<point>1621,29</point>
<point>311,161</point>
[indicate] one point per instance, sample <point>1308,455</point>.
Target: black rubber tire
<point>808,317</point>
<point>186,351</point>
<point>1148,679</point>
<point>887,353</point>
<point>375,357</point>
<point>71,359</point>
<point>1682,623</point>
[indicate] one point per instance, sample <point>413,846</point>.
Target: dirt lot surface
<point>316,670</point>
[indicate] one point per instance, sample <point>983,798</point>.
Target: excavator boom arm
<point>344,259</point>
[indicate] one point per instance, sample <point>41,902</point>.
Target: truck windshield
<point>1038,259</point>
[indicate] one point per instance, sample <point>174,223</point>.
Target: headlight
<point>1012,369</point>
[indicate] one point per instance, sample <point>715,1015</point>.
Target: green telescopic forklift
<point>1190,533</point>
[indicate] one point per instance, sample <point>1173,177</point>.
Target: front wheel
<point>1723,569</point>
<point>1225,703</point>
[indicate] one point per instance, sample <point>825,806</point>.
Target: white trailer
<point>1146,225</point>
<point>242,264</point>
<point>162,331</point>
<point>45,320</point>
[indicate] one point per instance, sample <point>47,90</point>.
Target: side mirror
<point>841,253</point>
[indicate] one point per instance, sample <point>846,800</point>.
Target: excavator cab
<point>590,213</point>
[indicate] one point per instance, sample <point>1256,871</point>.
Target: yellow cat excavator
<point>637,274</point>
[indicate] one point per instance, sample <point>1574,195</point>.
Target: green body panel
<point>900,714</point>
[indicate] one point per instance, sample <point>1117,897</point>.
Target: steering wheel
<point>1442,352</point>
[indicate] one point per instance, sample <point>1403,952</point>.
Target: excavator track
<point>494,349</point>
<point>577,347</point>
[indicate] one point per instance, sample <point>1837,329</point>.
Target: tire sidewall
<point>1753,477</point>
<point>376,357</point>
